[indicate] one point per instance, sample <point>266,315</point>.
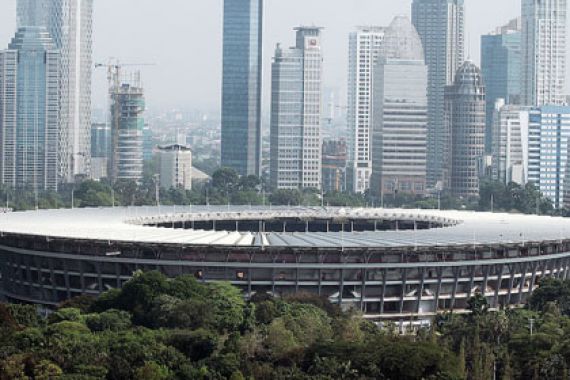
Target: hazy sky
<point>184,38</point>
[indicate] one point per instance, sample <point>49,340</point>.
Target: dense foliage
<point>158,328</point>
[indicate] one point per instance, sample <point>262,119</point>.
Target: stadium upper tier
<point>287,227</point>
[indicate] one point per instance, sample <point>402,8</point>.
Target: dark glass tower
<point>440,24</point>
<point>241,86</point>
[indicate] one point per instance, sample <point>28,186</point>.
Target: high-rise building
<point>441,26</point>
<point>29,111</point>
<point>510,136</point>
<point>127,108</point>
<point>296,104</point>
<point>175,166</point>
<point>69,22</point>
<point>501,68</point>
<point>543,52</point>
<point>334,165</point>
<point>364,48</point>
<point>549,137</point>
<point>465,118</point>
<point>31,13</point>
<point>241,86</point>
<point>399,148</point>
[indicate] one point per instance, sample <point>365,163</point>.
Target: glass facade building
<point>549,137</point>
<point>501,68</point>
<point>29,111</point>
<point>441,26</point>
<point>241,86</point>
<point>70,24</point>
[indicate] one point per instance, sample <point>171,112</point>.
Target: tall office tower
<point>69,23</point>
<point>465,118</point>
<point>501,68</point>
<point>296,104</point>
<point>363,50</point>
<point>399,148</point>
<point>127,108</point>
<point>241,86</point>
<point>549,137</point>
<point>31,13</point>
<point>175,166</point>
<point>543,52</point>
<point>510,136</point>
<point>29,111</point>
<point>440,24</point>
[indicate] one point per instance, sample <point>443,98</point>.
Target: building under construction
<point>127,107</point>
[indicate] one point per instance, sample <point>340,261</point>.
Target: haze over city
<point>184,38</point>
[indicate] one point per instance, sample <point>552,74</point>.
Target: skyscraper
<point>29,111</point>
<point>241,86</point>
<point>543,51</point>
<point>296,104</point>
<point>364,48</point>
<point>399,116</point>
<point>549,132</point>
<point>440,24</point>
<point>31,13</point>
<point>69,23</point>
<point>127,108</point>
<point>501,68</point>
<point>465,119</point>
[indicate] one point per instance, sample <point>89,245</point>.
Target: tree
<point>46,370</point>
<point>225,180</point>
<point>478,304</point>
<point>153,371</point>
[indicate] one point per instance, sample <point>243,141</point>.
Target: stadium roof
<point>127,225</point>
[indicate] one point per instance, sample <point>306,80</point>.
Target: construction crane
<point>114,68</point>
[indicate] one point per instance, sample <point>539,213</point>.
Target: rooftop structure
<point>391,264</point>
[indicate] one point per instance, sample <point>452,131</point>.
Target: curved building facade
<point>465,113</point>
<point>391,264</point>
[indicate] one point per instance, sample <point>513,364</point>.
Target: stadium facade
<point>390,264</point>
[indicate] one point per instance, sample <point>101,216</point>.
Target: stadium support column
<point>498,286</point>
<point>421,290</point>
<point>523,281</point>
<point>512,270</point>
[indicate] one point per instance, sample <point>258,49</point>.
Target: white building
<point>543,52</point>
<point>296,104</point>
<point>175,166</point>
<point>69,23</point>
<point>400,113</point>
<point>364,48</point>
<point>549,133</point>
<point>441,26</point>
<point>510,143</point>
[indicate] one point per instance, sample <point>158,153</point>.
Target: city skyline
<point>200,72</point>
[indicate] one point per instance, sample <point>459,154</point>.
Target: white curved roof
<point>117,224</point>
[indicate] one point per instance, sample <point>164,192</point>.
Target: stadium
<point>390,264</point>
